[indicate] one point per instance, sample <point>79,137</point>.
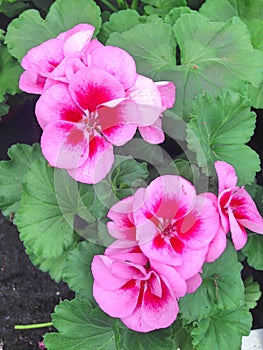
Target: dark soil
<point>26,294</point>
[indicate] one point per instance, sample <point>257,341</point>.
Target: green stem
<point>109,5</point>
<point>134,4</point>
<point>33,326</point>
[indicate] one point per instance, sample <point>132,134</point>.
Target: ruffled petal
<point>122,226</point>
<point>171,277</point>
<point>118,303</point>
<point>64,145</point>
<point>118,121</point>
<point>57,104</point>
<point>154,133</point>
<point>98,163</point>
<point>32,82</point>
<point>226,175</point>
<point>217,246</point>
<point>167,91</point>
<point>194,283</point>
<point>246,212</point>
<point>146,94</point>
<point>238,233</point>
<point>116,62</point>
<point>91,87</point>
<point>101,270</point>
<point>93,45</point>
<point>77,39</point>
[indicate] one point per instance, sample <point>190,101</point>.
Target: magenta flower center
<point>90,120</point>
<point>169,231</point>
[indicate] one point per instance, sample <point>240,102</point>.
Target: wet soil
<point>26,294</point>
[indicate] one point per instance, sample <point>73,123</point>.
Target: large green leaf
<point>130,340</point>
<point>123,21</point>
<point>253,250</point>
<point>50,203</point>
<point>10,72</point>
<point>181,336</point>
<point>249,11</point>
<point>12,173</point>
<point>222,288</point>
<point>140,42</point>
<point>30,29</point>
<point>162,7</point>
<point>81,327</point>
<point>219,129</point>
<point>222,330</point>
<point>215,56</point>
<point>77,271</point>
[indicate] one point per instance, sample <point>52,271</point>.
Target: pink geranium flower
<point>42,62</point>
<point>237,209</point>
<point>127,287</point>
<point>171,223</point>
<point>82,121</point>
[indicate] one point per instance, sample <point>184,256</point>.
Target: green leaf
<point>185,169</point>
<point>80,327</point>
<point>125,177</point>
<point>250,12</point>
<point>4,109</point>
<point>12,8</point>
<point>77,270</point>
<point>253,250</point>
<point>43,5</point>
<point>54,266</point>
<point>252,292</point>
<point>10,72</point>
<point>219,128</point>
<point>162,7</point>
<point>140,42</point>
<point>221,329</point>
<point>222,288</point>
<point>30,30</point>
<point>214,57</point>
<point>181,336</point>
<point>175,14</point>
<point>12,173</point>
<point>50,202</point>
<point>130,340</point>
<point>255,94</point>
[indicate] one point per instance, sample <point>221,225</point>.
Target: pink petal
<point>154,133</point>
<point>32,82</point>
<point>67,68</point>
<point>226,175</point>
<point>167,91</point>
<point>118,120</point>
<point>101,270</point>
<point>238,233</point>
<point>171,277</point>
<point>57,104</point>
<point>116,62</point>
<point>64,145</point>
<point>136,322</point>
<point>98,163</point>
<point>94,44</point>
<point>127,270</point>
<point>146,94</point>
<point>217,246</point>
<point>166,198</point>
<point>120,302</point>
<point>122,226</point>
<point>224,199</point>
<point>246,212</point>
<point>44,57</point>
<point>159,312</point>
<point>193,283</point>
<point>199,227</point>
<point>77,39</point>
<point>92,87</point>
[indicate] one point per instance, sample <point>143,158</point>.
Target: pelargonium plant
<point>142,194</point>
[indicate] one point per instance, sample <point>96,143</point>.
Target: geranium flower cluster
<point>91,100</point>
<point>164,234</point>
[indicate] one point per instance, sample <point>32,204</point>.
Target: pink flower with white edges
<point>82,121</point>
<point>237,209</point>
<point>42,62</point>
<point>170,222</point>
<point>127,287</point>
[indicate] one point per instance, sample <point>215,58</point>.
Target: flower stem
<point>33,326</point>
<point>109,5</point>
<point>134,4</point>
